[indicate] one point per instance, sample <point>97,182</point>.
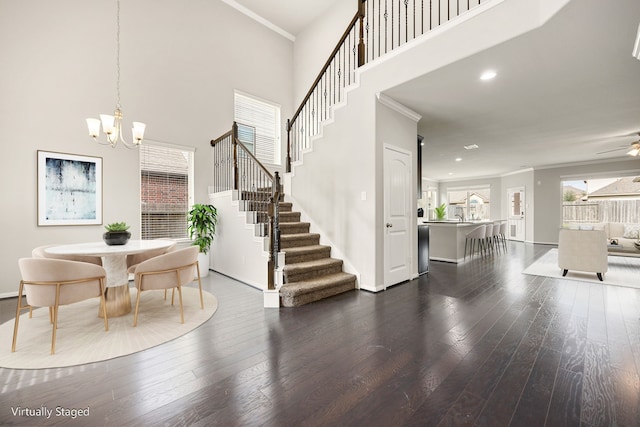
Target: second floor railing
<point>377,28</point>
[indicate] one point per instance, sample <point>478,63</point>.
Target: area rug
<point>623,271</point>
<point>81,337</point>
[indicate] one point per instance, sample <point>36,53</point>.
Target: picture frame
<point>69,189</point>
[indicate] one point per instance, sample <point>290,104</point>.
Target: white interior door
<point>517,208</point>
<point>397,215</point>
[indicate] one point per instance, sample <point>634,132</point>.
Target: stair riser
<point>309,256</point>
<point>293,228</point>
<point>313,273</point>
<point>310,240</point>
<point>298,300</point>
<point>289,217</point>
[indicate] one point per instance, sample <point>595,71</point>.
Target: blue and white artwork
<point>69,189</point>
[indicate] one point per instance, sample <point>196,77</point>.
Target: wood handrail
<point>324,69</point>
<point>220,138</point>
<point>250,154</point>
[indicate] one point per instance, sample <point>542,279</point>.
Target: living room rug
<point>81,337</point>
<point>623,271</point>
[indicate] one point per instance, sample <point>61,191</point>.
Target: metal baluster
<point>392,45</point>
<point>414,19</point>
<point>406,21</point>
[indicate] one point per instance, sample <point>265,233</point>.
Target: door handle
<point>389,225</point>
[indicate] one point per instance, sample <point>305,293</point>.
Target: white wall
<point>315,43</point>
<point>236,251</point>
<point>180,62</point>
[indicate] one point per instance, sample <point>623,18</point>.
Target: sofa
<point>626,235</point>
<point>583,250</point>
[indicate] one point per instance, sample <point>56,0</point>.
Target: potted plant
<point>441,211</point>
<point>202,222</point>
<point>116,234</point>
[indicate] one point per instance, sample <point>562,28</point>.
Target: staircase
<point>310,274</point>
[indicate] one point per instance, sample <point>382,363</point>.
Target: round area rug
<point>81,337</point>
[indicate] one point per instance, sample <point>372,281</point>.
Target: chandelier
<point>112,125</point>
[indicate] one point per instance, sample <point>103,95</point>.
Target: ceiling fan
<point>633,149</point>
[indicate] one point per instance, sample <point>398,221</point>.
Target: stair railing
<point>378,27</point>
<point>236,168</point>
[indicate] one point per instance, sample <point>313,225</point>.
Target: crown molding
<point>240,8</point>
<point>396,106</point>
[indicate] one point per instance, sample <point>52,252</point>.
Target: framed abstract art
<point>69,189</point>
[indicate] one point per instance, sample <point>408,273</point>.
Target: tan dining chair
<point>169,271</point>
<point>134,259</point>
<point>55,282</point>
<point>40,252</point>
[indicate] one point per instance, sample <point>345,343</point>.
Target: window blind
<point>258,127</point>
<point>165,191</point>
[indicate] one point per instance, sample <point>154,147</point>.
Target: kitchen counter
<point>447,238</point>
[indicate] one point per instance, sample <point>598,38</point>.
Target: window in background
<point>469,204</point>
<point>258,127</point>
<point>601,200</point>
<point>166,190</point>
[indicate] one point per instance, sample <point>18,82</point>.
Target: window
<point>469,203</point>
<point>601,200</point>
<point>166,190</point>
<point>258,127</point>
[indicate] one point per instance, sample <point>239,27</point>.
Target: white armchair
<point>583,250</point>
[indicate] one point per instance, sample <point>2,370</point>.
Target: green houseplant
<point>441,211</point>
<point>116,234</point>
<point>202,222</point>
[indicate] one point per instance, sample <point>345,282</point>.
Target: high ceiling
<point>290,15</point>
<point>564,93</point>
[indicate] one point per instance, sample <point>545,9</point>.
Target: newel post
<point>273,212</point>
<point>234,141</point>
<point>361,49</point>
<point>288,165</point>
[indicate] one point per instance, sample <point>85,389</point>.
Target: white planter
<point>203,262</point>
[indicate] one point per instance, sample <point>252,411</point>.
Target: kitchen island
<point>447,238</point>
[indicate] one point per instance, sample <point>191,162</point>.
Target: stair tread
<point>305,249</point>
<point>312,285</point>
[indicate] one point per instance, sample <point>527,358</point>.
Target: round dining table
<point>114,261</point>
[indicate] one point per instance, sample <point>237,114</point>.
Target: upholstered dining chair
<point>55,282</point>
<point>169,271</point>
<point>134,259</point>
<point>39,252</point>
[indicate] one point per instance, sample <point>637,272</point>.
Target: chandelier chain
<point>118,53</point>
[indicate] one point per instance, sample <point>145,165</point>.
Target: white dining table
<point>114,261</point>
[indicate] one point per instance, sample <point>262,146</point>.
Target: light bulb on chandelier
<point>112,125</point>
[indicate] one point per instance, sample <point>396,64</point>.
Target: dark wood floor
<point>478,344</point>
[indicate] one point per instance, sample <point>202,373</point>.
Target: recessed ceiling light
<point>470,147</point>
<point>458,159</point>
<point>450,173</point>
<point>488,75</point>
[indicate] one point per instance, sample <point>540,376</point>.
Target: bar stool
<point>475,236</point>
<point>503,234</point>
